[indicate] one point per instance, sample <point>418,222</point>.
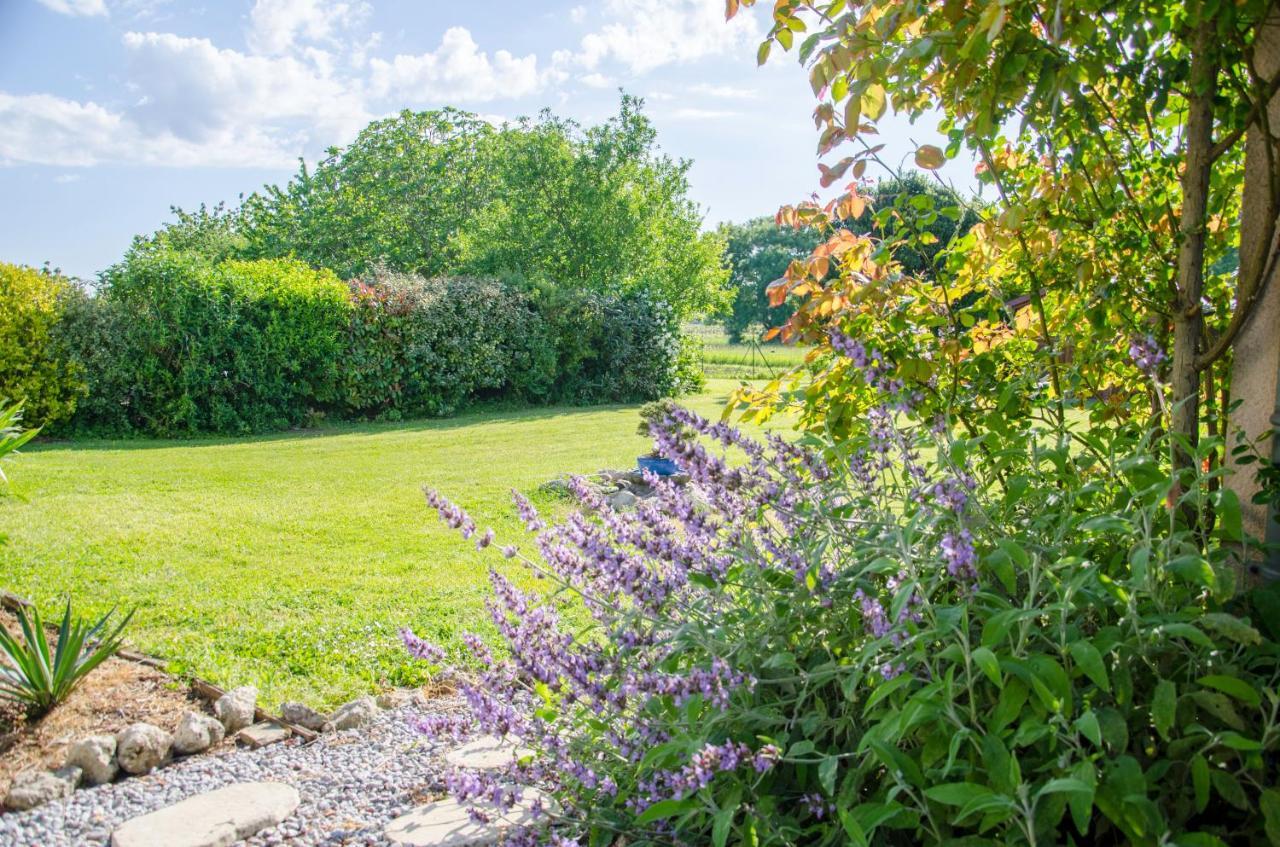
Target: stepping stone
<point>447,823</point>
<point>216,819</point>
<point>264,733</point>
<point>486,753</point>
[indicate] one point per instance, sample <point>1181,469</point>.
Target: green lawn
<point>289,561</point>
<point>722,360</point>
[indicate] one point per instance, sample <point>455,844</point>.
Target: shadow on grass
<point>481,414</point>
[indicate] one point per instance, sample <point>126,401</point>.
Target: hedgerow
<point>34,370</point>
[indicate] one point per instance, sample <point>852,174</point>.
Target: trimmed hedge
<point>34,370</point>
<point>175,344</point>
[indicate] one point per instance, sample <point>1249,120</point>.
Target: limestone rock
<point>447,823</point>
<point>96,757</point>
<point>217,819</point>
<point>621,500</point>
<point>141,748</point>
<point>235,708</point>
<point>488,752</point>
<point>196,733</point>
<point>302,715</point>
<point>264,733</point>
<point>356,713</point>
<point>33,788</point>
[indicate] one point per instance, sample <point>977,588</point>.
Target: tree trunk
<point>1256,363</point>
<point>1188,322</point>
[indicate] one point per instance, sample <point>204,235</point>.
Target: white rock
<point>96,756</point>
<point>486,753</point>
<point>216,819</point>
<point>141,748</point>
<point>302,715</point>
<point>447,823</point>
<point>35,788</point>
<point>196,733</point>
<point>621,500</point>
<point>351,715</point>
<point>235,708</point>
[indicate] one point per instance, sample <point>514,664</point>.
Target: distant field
<point>723,360</point>
<point>289,561</point>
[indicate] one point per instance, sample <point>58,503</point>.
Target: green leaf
<point>957,793</point>
<point>1240,690</point>
<point>1193,568</point>
<point>987,662</point>
<point>664,809</point>
<point>1087,725</point>
<point>827,771</point>
<point>1236,741</point>
<point>1229,789</point>
<point>852,829</point>
<point>874,102</point>
<point>1064,785</point>
<point>722,826</point>
<point>1230,626</point>
<point>1200,781</point>
<point>1164,705</point>
<point>1090,661</point>
<point>1269,803</point>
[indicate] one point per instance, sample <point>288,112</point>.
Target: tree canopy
<point>599,209</point>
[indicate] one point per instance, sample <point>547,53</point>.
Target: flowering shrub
<point>884,641</point>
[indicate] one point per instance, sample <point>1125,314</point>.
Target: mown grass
<point>289,561</point>
<point>723,360</point>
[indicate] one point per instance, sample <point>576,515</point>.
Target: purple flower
<point>957,549</point>
<point>420,648</point>
<point>1146,354</point>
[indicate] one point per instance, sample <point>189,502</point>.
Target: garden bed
<point>118,693</point>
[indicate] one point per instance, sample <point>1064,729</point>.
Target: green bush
<point>192,346</point>
<point>33,369</point>
<point>429,346</point>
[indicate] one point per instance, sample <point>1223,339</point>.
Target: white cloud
<point>596,80</point>
<point>76,8</point>
<point>578,14</point>
<point>695,114</point>
<point>727,92</point>
<point>199,92</point>
<point>456,70</point>
<point>46,130</point>
<point>63,179</point>
<point>276,26</point>
<point>646,34</point>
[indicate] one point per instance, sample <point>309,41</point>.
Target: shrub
<point>430,346</point>
<point>858,645</point>
<point>33,370</point>
<point>191,346</point>
<point>39,677</point>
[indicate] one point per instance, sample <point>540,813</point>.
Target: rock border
<point>150,747</point>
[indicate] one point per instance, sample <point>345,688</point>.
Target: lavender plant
<point>880,641</point>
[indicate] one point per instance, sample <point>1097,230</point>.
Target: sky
<point>113,111</point>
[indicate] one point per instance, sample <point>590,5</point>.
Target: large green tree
<point>598,209</point>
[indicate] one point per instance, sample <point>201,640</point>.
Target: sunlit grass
<point>289,561</point>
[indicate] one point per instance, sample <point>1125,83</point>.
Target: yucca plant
<point>12,434</point>
<point>39,677</point>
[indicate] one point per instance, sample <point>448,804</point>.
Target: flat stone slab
<point>447,823</point>
<point>486,753</point>
<point>264,733</point>
<point>217,819</point>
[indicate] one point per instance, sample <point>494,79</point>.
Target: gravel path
<point>352,783</point>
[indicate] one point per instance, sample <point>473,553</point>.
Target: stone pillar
<point>1255,374</point>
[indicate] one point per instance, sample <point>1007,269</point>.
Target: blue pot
<point>661,467</point>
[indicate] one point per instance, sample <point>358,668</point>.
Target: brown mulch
<point>117,693</point>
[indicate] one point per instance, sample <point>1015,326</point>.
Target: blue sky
<point>111,111</point>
